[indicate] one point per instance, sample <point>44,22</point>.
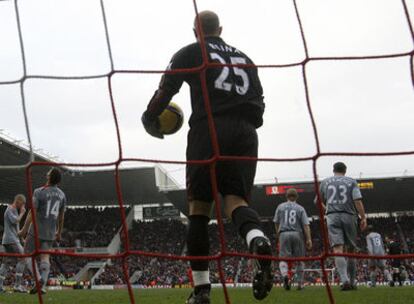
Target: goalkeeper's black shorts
<point>236,137</point>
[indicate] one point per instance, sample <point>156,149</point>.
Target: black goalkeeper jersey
<point>232,90</point>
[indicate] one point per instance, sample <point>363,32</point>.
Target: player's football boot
<point>346,286</point>
<point>34,289</point>
<point>354,287</point>
<point>203,297</point>
<point>262,276</point>
<point>300,288</point>
<point>19,289</point>
<point>392,284</point>
<point>286,283</point>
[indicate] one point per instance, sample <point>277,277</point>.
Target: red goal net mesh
<point>201,70</point>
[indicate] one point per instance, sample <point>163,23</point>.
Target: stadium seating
<point>168,236</point>
<point>95,227</point>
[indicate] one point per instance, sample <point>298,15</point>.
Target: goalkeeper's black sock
<point>247,223</point>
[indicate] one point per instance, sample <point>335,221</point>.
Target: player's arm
<point>359,205</point>
<point>61,220</point>
<point>369,244</point>
<point>27,223</point>
<point>17,218</point>
<point>323,200</point>
<point>277,230</point>
<point>306,230</point>
<point>22,212</point>
<point>308,237</point>
<point>277,222</point>
<point>169,85</point>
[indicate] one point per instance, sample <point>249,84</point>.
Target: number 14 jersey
<point>230,88</point>
<point>48,201</point>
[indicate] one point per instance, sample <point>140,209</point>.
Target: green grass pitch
<point>311,295</point>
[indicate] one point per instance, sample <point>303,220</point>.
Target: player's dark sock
<point>198,244</point>
<point>246,219</point>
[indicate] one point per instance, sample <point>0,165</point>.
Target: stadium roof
<point>139,185</point>
<point>142,186</point>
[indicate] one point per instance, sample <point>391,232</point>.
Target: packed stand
<point>168,237</point>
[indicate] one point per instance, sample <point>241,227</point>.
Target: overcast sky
<point>359,106</point>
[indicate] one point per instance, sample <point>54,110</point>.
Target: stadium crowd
<point>95,227</point>
<point>168,237</point>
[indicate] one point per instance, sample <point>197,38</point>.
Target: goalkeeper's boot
<point>262,276</point>
<point>202,297</point>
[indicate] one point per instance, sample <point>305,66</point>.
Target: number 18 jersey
<point>48,201</point>
<point>291,216</point>
<point>339,194</point>
<point>231,89</point>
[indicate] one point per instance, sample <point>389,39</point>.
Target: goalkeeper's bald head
<point>210,24</point>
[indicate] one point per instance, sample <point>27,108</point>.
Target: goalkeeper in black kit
<point>236,99</point>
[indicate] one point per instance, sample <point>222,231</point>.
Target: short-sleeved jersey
<point>231,89</point>
<point>290,216</point>
<point>11,226</point>
<point>375,244</point>
<point>49,201</point>
<point>339,194</point>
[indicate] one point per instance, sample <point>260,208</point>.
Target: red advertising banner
<point>275,190</point>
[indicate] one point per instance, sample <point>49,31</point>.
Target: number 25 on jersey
<point>221,83</point>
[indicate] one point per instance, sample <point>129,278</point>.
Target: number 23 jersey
<point>235,89</point>
<point>339,194</point>
<point>49,201</point>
